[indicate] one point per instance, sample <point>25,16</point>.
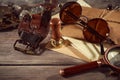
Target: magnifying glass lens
<point>114,57</point>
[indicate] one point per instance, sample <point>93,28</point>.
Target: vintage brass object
<point>56,36</point>
<point>34,30</point>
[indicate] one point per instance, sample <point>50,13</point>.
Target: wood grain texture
<point>15,65</point>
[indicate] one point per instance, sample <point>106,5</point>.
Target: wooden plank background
<point>15,65</point>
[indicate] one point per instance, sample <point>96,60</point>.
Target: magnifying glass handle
<point>78,69</point>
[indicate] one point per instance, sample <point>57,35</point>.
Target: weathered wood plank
<point>48,57</point>
<point>47,73</point>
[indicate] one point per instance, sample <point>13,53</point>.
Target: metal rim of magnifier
<point>106,57</point>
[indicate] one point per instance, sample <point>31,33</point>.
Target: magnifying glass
<point>110,59</point>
